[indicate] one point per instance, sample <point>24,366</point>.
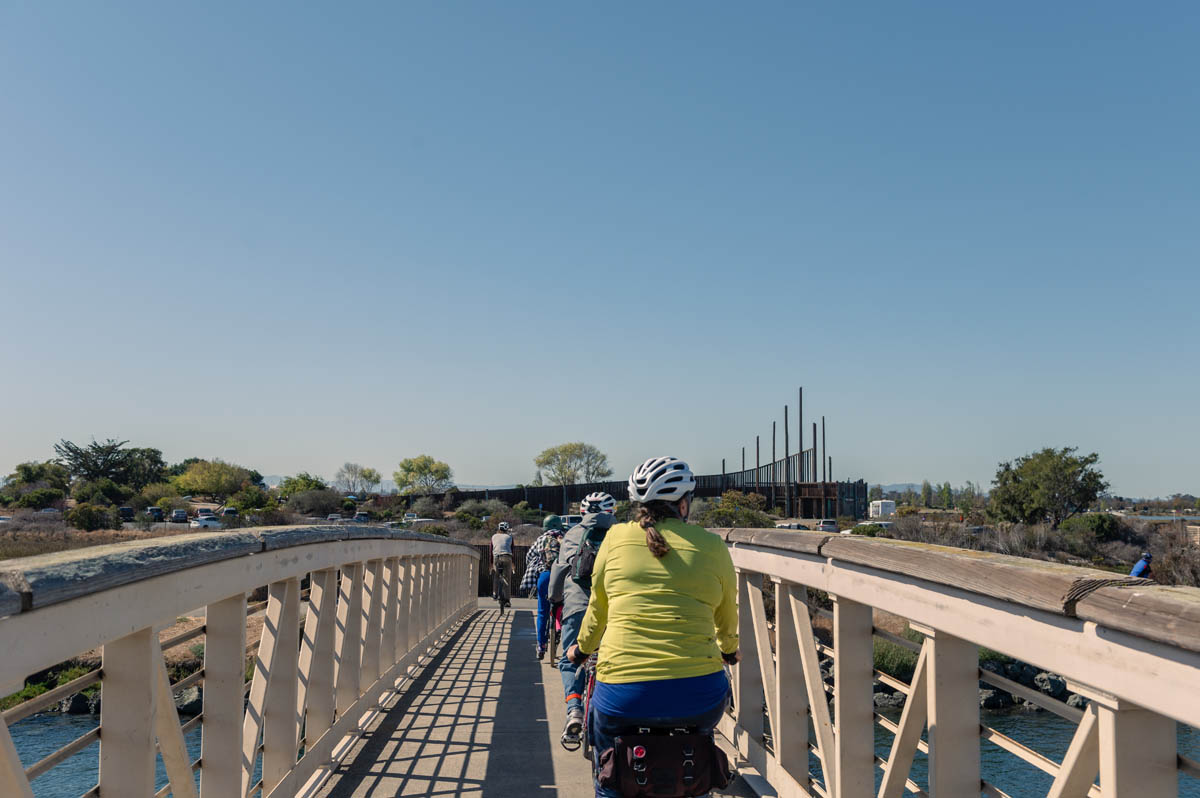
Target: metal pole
<point>787,466</point>
<point>800,434</point>
<point>823,450</point>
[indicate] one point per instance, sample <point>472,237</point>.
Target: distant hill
<point>900,487</point>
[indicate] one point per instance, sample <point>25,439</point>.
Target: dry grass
<point>26,536</point>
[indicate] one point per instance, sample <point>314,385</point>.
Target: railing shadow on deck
<point>469,725</point>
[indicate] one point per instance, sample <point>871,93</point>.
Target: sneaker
<point>572,733</point>
<point>541,653</point>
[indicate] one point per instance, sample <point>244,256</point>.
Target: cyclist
<point>664,599</point>
<point>570,586</point>
<point>502,564</point>
<point>538,561</point>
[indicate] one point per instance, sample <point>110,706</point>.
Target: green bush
<point>870,530</point>
<point>315,502</point>
<point>348,506</point>
<point>467,518</point>
<point>39,499</point>
<point>894,660</point>
<point>101,491</point>
<point>251,497</point>
<point>1101,526</point>
<point>427,507</point>
<point>89,517</point>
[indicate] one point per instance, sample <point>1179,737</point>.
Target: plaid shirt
<point>541,556</point>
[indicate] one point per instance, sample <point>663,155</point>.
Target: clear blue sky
<point>291,237</point>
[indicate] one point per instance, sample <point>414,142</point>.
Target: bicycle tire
<point>589,685</point>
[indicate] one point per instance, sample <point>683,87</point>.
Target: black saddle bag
<point>672,764</point>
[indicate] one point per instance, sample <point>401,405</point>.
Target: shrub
<point>735,509</point>
<point>427,507</point>
<point>39,499</point>
<point>101,491</point>
<point>470,520</point>
<point>907,510</point>
<point>1102,527</point>
<point>871,530</point>
<point>89,517</point>
<point>348,506</point>
<point>315,502</point>
<point>251,497</point>
<point>894,660</point>
<point>845,521</point>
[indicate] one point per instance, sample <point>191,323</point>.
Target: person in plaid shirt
<point>541,556</point>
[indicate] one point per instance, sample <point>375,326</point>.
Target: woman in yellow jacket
<point>663,613</point>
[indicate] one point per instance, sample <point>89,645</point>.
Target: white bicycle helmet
<point>598,502</point>
<point>665,479</point>
<point>503,526</point>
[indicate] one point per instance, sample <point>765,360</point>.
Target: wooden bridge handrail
<point>27,583</point>
<point>1169,615</point>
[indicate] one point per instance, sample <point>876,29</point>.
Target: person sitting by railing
<point>1142,567</point>
<point>538,560</point>
<point>664,600</point>
<point>570,587</point>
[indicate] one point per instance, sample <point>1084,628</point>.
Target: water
<point>1045,733</point>
<point>42,735</point>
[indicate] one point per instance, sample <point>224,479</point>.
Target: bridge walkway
<point>481,719</point>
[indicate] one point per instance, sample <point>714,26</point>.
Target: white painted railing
<point>1130,647</point>
<point>375,601</point>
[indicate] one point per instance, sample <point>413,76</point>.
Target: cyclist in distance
<point>542,555</point>
<point>570,586</point>
<point>664,600</point>
<point>502,563</point>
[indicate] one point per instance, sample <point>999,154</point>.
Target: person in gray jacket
<point>564,589</point>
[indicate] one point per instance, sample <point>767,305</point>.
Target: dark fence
<point>783,483</point>
<point>485,572</point>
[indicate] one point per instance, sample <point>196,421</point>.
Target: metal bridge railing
<point>348,611</point>
<point>1130,647</point>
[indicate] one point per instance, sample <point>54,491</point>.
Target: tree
<point>214,478</point>
<point>178,468</point>
<point>33,477</point>
<point>946,496</point>
<point>303,481</point>
<point>144,467</point>
<point>89,518</point>
<point>875,493</point>
<point>1048,486</point>
<point>926,494</point>
<point>356,479</point>
<point>537,479</point>
<point>96,460</point>
<point>570,463</point>
<point>423,474</point>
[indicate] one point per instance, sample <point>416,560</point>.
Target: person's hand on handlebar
<point>732,659</point>
<point>575,656</point>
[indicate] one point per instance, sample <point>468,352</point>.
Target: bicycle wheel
<point>588,688</point>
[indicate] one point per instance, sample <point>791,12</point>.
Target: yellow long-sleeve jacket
<point>667,618</point>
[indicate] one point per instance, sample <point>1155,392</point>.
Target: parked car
<point>571,520</point>
<point>49,511</point>
<point>333,517</point>
<point>205,522</point>
<point>127,513</point>
<point>155,513</point>
<point>230,511</point>
<point>178,517</point>
<point>203,511</point>
<point>791,525</point>
<point>410,517</point>
<point>827,525</point>
<point>4,519</point>
<point>362,516</point>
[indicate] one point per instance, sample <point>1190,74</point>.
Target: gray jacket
<point>563,588</point>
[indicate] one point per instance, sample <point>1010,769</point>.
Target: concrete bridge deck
<point>481,718</point>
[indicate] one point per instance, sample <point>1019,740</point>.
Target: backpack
<point>585,559</point>
<point>550,552</point>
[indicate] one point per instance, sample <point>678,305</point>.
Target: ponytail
<point>647,515</point>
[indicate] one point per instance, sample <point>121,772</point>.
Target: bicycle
<point>589,686</point>
<point>553,635</point>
